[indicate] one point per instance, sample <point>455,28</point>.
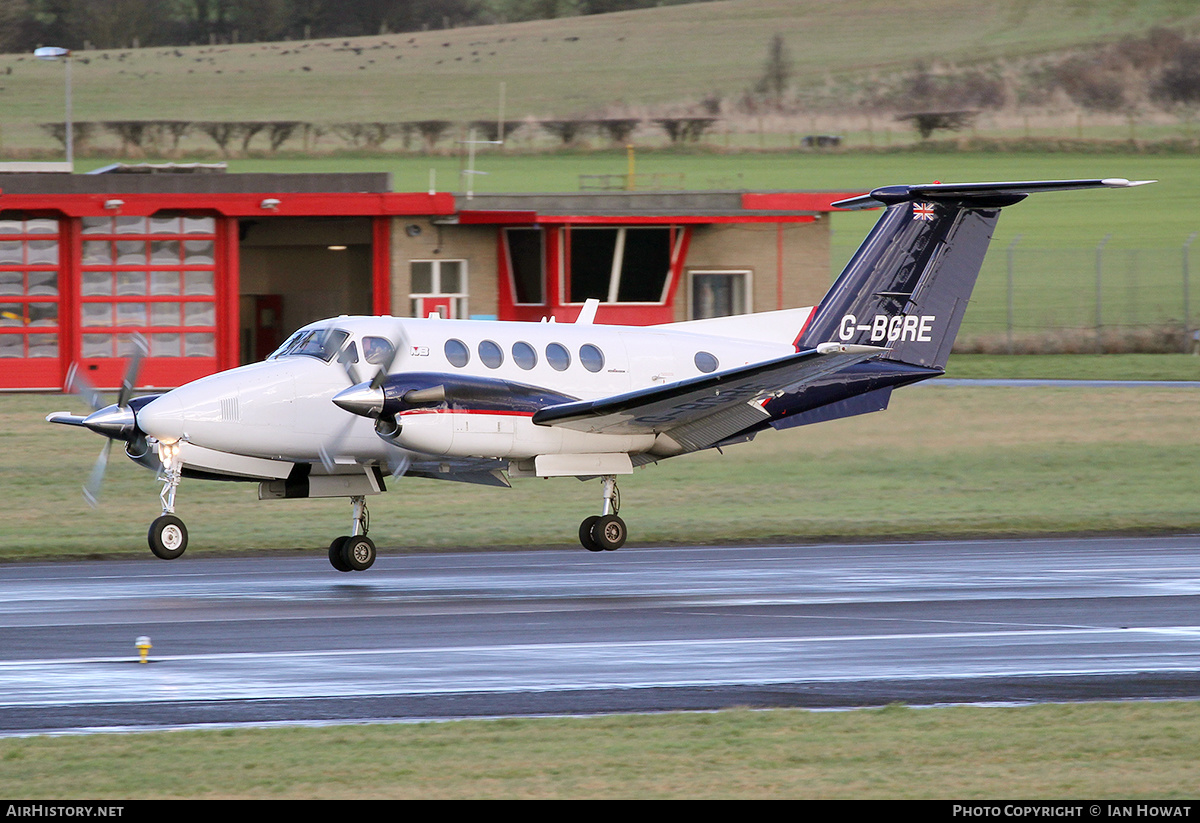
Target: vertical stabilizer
<point>908,285</point>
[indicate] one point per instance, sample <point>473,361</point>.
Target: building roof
<point>678,206</point>
<point>137,190</point>
<point>177,182</point>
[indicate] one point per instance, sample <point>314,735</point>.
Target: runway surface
<point>287,639</point>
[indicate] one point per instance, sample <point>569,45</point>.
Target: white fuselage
<point>281,409</point>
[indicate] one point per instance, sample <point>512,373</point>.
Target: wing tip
<point>1123,183</point>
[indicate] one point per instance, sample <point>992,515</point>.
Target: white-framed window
<point>719,293</point>
<point>438,287</point>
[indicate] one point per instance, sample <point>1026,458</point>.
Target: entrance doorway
<point>296,270</point>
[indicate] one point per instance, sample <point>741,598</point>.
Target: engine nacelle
<point>471,434</point>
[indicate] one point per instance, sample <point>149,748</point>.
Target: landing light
<point>168,450</point>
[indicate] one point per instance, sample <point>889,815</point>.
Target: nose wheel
<point>168,537</point>
<point>605,532</point>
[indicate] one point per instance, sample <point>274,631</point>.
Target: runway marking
<point>1171,631</point>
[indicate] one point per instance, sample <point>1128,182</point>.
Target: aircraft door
<point>268,324</point>
<point>262,325</point>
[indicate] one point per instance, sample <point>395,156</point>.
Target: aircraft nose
<point>362,399</point>
<point>162,418</point>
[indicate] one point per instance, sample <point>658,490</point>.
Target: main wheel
<point>585,533</point>
<point>168,537</point>
<point>336,558</point>
<point>609,533</point>
<point>358,553</point>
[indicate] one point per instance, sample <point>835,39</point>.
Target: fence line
<point>1083,300</point>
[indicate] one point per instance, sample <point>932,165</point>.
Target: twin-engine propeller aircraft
<point>345,402</point>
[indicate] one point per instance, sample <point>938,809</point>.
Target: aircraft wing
<point>705,410</point>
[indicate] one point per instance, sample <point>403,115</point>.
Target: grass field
<point>999,461</point>
<point>1159,216</point>
<point>1086,751</point>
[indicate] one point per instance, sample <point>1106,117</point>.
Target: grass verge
<point>1093,751</point>
<point>942,460</point>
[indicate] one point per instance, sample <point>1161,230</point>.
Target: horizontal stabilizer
<point>982,194</point>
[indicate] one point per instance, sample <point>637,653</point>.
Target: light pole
<point>56,53</point>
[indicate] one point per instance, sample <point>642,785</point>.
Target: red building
<point>215,269</point>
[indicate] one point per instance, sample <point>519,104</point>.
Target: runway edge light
<point>143,647</point>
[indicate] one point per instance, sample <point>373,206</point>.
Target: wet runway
<point>288,639</point>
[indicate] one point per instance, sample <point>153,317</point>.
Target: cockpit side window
<point>377,350</point>
<point>320,343</point>
<point>287,344</point>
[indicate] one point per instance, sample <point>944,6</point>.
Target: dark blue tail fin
<point>908,285</point>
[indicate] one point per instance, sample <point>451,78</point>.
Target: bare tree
<point>220,132</point>
<point>618,129</point>
<point>567,131</point>
<point>685,129</point>
<point>777,72</point>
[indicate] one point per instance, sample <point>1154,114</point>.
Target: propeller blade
<point>385,368</point>
<point>400,468</point>
<point>140,349</point>
<point>91,489</point>
<point>326,459</point>
<point>347,357</point>
<point>80,385</point>
<point>327,454</point>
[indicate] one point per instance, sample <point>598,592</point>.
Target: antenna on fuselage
<point>587,315</point>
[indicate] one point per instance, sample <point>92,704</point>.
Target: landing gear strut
<point>606,531</point>
<point>354,552</point>
<point>168,537</point>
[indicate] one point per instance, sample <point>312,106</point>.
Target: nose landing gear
<point>605,532</point>
<point>168,536</point>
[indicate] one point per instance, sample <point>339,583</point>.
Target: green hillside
<point>563,67</point>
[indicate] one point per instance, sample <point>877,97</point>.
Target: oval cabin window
<point>591,357</point>
<point>558,357</point>
<point>706,362</point>
<point>491,354</point>
<point>524,355</point>
<point>457,353</point>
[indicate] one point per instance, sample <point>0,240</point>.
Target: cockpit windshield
<point>320,343</point>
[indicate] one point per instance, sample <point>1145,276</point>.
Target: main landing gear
<point>354,552</point>
<point>606,531</point>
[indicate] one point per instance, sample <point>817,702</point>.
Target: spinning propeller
<point>346,358</point>
<point>116,422</point>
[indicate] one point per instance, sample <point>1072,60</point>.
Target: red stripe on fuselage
<point>466,411</point>
<point>811,315</point>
